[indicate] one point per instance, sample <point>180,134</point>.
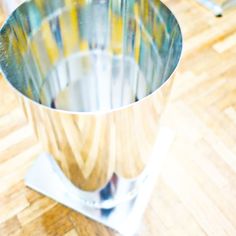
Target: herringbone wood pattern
<point>196,193</point>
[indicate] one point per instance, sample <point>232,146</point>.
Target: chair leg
<point>215,8</point>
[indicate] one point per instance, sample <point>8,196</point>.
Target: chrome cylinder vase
<point>93,77</point>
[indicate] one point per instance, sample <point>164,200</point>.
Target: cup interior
<point>90,55</point>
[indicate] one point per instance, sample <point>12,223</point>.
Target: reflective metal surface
<point>126,216</point>
<point>93,77</point>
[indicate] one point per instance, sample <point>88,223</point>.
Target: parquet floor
<point>196,192</point>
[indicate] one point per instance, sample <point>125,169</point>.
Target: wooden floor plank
<point>53,222</point>
<point>196,192</point>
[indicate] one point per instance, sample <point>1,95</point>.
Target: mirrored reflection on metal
<point>93,77</point>
<point>126,216</point>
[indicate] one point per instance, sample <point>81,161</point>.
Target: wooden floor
<point>196,193</point>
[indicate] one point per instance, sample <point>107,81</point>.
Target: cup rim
<point>98,112</point>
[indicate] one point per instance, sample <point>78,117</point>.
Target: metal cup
<point>93,77</point>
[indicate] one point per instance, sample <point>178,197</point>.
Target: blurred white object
<point>217,8</point>
<point>8,6</point>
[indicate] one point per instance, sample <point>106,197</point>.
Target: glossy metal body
<point>93,77</point>
<point>126,216</point>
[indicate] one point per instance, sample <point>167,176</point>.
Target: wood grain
<point>196,192</point>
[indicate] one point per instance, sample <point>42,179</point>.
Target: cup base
<point>124,217</point>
